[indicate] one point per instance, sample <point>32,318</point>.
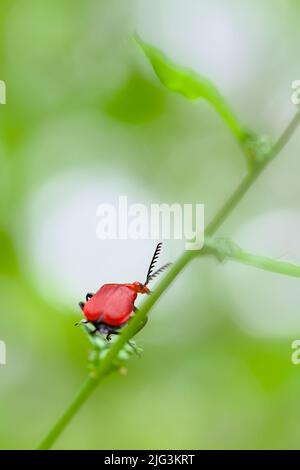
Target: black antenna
<point>153,262</point>
<point>159,271</point>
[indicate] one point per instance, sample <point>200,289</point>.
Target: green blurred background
<point>86,120</point>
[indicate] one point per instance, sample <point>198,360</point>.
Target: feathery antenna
<point>153,262</point>
<point>151,274</point>
<point>159,271</point>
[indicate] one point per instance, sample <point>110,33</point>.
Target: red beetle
<point>110,308</point>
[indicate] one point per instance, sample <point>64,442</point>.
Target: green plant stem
<point>228,116</point>
<point>141,315</point>
<point>230,204</point>
<point>107,363</point>
<point>108,360</point>
<point>85,391</point>
<point>225,249</point>
<point>267,264</point>
<point>251,177</point>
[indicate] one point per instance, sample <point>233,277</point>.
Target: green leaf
<point>189,84</point>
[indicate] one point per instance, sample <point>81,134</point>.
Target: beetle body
<point>111,307</point>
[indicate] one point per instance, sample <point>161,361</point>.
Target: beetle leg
<point>88,296</point>
<point>134,348</point>
<point>81,322</point>
<point>110,332</point>
<point>86,322</point>
<point>105,330</point>
<point>81,305</point>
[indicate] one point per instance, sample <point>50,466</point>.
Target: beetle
<point>111,307</point>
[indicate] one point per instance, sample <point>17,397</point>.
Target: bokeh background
<point>86,120</point>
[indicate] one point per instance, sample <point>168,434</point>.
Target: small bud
<point>123,371</point>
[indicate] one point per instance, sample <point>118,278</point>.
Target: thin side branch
<point>225,249</point>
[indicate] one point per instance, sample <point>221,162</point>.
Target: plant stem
<point>225,249</point>
<point>141,315</point>
<point>85,391</point>
<point>230,204</point>
<point>108,360</point>
<point>251,177</point>
<point>133,326</point>
<point>267,264</point>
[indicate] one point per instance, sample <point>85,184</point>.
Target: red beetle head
<point>140,288</point>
